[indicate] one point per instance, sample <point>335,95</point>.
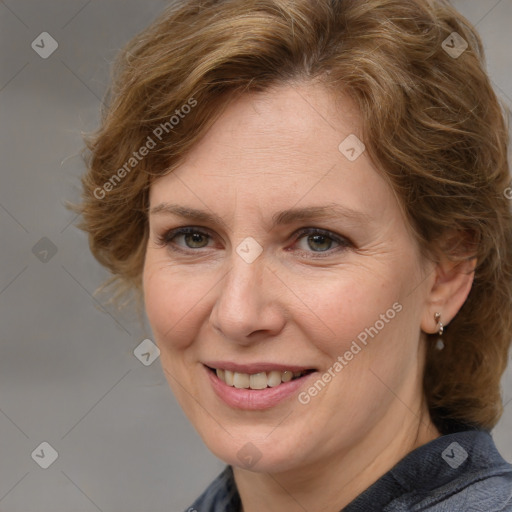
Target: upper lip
<point>252,368</point>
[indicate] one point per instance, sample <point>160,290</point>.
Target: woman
<point>310,198</point>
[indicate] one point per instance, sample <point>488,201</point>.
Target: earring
<point>440,327</point>
<point>440,330</point>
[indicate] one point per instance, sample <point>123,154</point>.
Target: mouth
<point>259,380</point>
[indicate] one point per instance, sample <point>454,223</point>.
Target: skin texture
<point>296,304</point>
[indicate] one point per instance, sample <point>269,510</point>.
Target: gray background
<point>68,375</point>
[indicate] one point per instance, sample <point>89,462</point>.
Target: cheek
<point>363,326</point>
<point>372,324</point>
<point>174,302</point>
<point>348,307</point>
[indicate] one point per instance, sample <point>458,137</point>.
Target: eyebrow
<point>185,212</point>
<point>329,211</point>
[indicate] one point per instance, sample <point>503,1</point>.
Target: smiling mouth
<point>257,381</point>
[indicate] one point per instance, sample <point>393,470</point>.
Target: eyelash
<point>166,239</point>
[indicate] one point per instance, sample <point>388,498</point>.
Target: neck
<point>328,485</point>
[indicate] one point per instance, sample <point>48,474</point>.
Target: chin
<point>256,450</point>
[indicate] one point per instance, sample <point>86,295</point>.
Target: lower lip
<point>255,399</point>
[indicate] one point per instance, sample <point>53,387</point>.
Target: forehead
<point>278,148</point>
<point>289,125</point>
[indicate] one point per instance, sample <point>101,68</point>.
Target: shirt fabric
<point>462,471</point>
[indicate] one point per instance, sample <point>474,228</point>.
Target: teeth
<point>273,379</point>
<point>241,380</point>
<point>260,380</point>
<point>228,377</point>
<point>287,376</point>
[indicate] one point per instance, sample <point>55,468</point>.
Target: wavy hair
<point>431,123</point>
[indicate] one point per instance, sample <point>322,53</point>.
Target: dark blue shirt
<point>462,472</point>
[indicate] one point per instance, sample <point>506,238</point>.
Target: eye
<point>320,241</point>
<point>308,240</point>
<point>186,238</point>
<point>195,240</point>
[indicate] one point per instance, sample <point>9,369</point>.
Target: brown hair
<point>431,122</point>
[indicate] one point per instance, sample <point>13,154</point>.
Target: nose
<point>247,307</point>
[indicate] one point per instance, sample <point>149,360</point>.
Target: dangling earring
<point>440,330</point>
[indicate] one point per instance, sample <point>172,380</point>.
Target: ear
<point>449,291</point>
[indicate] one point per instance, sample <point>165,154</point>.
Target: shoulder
<point>489,494</point>
<point>220,496</point>
<point>462,471</point>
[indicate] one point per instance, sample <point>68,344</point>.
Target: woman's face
<point>293,255</point>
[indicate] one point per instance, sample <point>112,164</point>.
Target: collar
<point>439,468</point>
